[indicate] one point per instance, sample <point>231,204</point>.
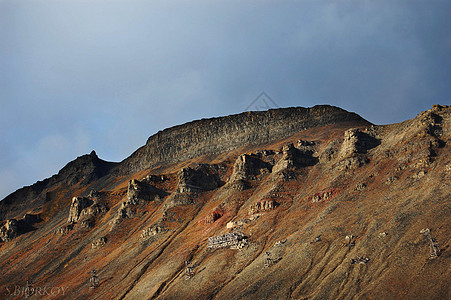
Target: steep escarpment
<point>217,135</point>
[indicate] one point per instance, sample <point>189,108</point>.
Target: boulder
<point>99,243</point>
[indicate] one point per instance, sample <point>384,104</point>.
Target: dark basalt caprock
<point>217,135</point>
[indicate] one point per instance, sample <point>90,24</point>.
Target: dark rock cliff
<point>216,135</point>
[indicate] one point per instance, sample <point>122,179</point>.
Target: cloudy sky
<point>105,75</point>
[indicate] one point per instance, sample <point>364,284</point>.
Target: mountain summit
<point>292,203</point>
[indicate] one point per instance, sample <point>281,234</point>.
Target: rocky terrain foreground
<point>294,203</point>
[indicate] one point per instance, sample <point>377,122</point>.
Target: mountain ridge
<point>157,145</point>
<point>299,118</point>
<point>343,209</point>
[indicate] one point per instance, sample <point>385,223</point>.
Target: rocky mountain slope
<point>297,203</point>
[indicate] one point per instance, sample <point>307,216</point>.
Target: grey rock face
<point>356,141</point>
<point>292,157</point>
<point>194,180</point>
<point>13,228</point>
<point>247,167</point>
<point>125,211</point>
<point>179,143</point>
<point>139,191</point>
<point>85,169</point>
<point>85,207</point>
<point>211,136</point>
<point>354,148</point>
<point>201,178</point>
<point>78,204</point>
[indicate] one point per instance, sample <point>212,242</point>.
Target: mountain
<point>293,203</point>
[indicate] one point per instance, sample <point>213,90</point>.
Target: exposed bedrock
<point>248,167</point>
<point>292,157</point>
<point>13,228</point>
<point>201,178</point>
<point>217,135</point>
<point>139,191</point>
<point>353,151</point>
<point>356,141</point>
<point>86,209</point>
<point>194,180</point>
<point>83,171</point>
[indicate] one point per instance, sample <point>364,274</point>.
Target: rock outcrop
<point>9,230</point>
<point>356,141</point>
<point>85,209</point>
<point>248,167</point>
<point>99,243</point>
<point>353,150</point>
<point>263,205</point>
<point>13,228</point>
<point>126,211</point>
<point>322,196</point>
<point>153,230</point>
<point>201,178</point>
<point>77,206</point>
<point>293,157</point>
<point>179,143</point>
<point>194,180</point>
<point>139,191</point>
<point>85,169</point>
